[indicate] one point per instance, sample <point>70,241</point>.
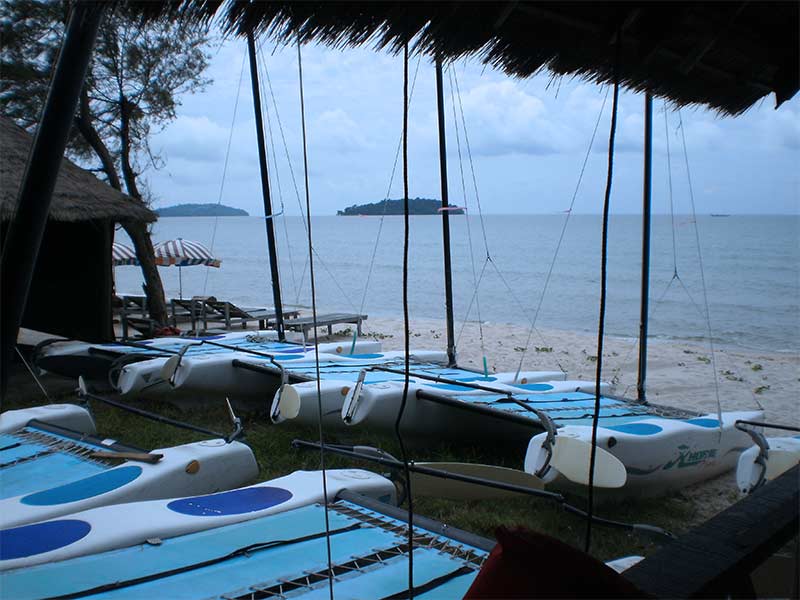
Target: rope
<point>603,279</point>
<point>561,237</point>
<point>475,280</point>
<point>263,66</point>
<point>225,167</point>
<point>383,215</point>
<point>33,374</point>
<point>702,272</point>
<point>314,314</point>
<point>406,331</point>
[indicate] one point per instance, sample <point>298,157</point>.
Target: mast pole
<point>646,203</point>
<point>448,270</point>
<point>26,230</point>
<point>262,162</point>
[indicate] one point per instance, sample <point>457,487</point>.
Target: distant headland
<point>201,210</point>
<point>416,206</point>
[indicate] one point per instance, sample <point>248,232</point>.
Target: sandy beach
<point>679,373</point>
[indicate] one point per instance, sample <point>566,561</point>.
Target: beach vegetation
<point>756,367</point>
<point>761,389</point>
<point>131,90</point>
<point>704,359</point>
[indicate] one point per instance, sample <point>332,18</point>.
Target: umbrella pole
<point>180,282</point>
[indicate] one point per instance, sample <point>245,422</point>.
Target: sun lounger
<point>228,313</point>
<point>306,324</point>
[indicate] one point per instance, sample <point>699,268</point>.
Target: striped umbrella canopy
<point>122,255</point>
<point>184,253</point>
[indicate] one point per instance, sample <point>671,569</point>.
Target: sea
<point>735,276</point>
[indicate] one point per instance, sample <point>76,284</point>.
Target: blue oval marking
<point>84,488</point>
<point>219,336</point>
<point>704,422</point>
<point>234,502</point>
<point>535,387</point>
<point>28,540</point>
<point>637,428</point>
<point>365,356</point>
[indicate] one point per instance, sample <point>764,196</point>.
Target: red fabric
<point>526,564</point>
<point>166,332</point>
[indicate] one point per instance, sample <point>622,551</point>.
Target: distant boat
<point>719,215</point>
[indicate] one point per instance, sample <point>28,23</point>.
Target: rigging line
<point>291,173</point>
<point>406,332</point>
<point>603,279</point>
<point>225,165</point>
<point>471,164</point>
<point>671,201</point>
<point>388,194</point>
<point>562,234</point>
<point>475,280</point>
<point>33,374</point>
<point>471,302</point>
<point>314,314</point>
<point>276,171</point>
<point>702,271</point>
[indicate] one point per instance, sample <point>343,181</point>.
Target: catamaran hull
<point>378,404</point>
<point>72,358</point>
<point>659,454</point>
<point>68,416</point>
<point>783,454</point>
<point>216,372</point>
<point>120,526</point>
<point>196,468</point>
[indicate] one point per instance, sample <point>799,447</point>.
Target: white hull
<point>68,416</point>
<point>195,468</point>
<point>659,454</point>
<point>216,373</point>
<point>378,404</point>
<point>783,454</point>
<point>120,526</point>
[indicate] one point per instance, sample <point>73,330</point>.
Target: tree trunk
<point>153,288</point>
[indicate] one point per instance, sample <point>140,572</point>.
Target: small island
<point>201,210</point>
<point>416,206</point>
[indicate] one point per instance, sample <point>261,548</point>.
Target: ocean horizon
<point>750,264</point>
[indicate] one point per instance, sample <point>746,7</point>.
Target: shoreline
<point>679,372</point>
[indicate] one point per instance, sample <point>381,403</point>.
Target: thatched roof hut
<point>725,55</point>
<point>78,195</point>
<point>72,284</point>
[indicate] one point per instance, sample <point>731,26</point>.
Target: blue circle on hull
<point>82,489</point>
<point>637,428</point>
<point>29,540</point>
<point>704,422</point>
<point>235,502</point>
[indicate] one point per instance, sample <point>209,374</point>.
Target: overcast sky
<point>528,139</point>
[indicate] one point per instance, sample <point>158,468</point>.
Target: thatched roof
<point>726,55</point>
<point>78,195</point>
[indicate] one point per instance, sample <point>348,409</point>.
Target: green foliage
<point>132,89</point>
<point>416,206</point>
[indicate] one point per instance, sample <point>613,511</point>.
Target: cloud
<point>504,119</point>
<point>335,130</point>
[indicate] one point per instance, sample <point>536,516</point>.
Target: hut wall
<point>71,290</point>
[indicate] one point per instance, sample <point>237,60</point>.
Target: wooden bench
<point>306,324</point>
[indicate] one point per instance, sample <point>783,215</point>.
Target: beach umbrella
<point>184,253</point>
<point>122,255</point>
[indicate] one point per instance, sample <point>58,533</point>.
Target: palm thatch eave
<point>78,195</point>
<point>724,55</point>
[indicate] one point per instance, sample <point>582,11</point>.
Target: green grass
<point>272,447</point>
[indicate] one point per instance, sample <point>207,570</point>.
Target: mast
<point>262,162</point>
<point>26,229</point>
<point>448,271</point>
<point>646,198</point>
